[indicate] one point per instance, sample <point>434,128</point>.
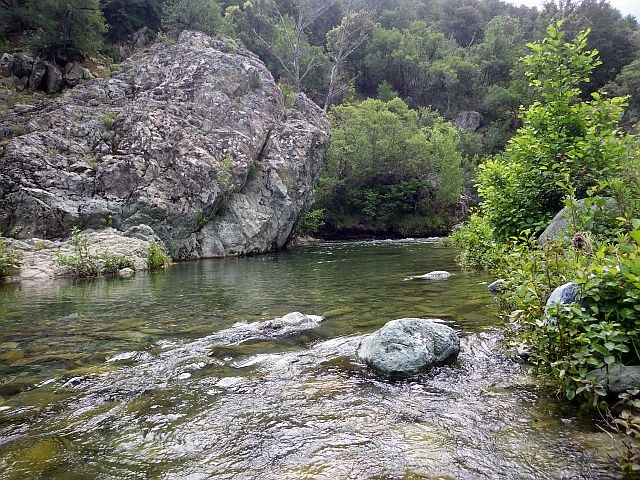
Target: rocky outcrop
<point>618,378</point>
<point>409,346</point>
<point>21,71</point>
<point>565,295</point>
<point>191,139</point>
<point>497,287</point>
<point>469,121</point>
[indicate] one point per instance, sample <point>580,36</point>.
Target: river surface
<point>159,377</point>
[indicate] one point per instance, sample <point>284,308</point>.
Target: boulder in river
<point>191,138</point>
<point>409,346</point>
<point>435,275</point>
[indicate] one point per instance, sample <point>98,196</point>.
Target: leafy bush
<point>202,15</point>
<point>157,258</point>
<point>82,261</point>
<point>9,260</point>
<point>565,144</point>
<point>387,161</point>
<point>67,29</point>
<point>479,248</point>
<point>566,343</point>
<point>310,223</point>
<point>112,264</point>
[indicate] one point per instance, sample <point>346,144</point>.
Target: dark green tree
<point>67,29</point>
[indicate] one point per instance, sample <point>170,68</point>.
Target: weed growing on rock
<point>9,260</point>
<point>226,171</point>
<point>84,264</point>
<point>112,264</point>
<point>157,258</point>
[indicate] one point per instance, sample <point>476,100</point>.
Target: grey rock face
<point>37,74</point>
<point>559,226</point>
<point>191,139</point>
<point>468,121</point>
<point>620,378</point>
<point>409,346</point>
<point>433,276</point>
<point>565,294</point>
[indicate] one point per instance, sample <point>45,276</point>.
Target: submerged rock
<point>435,275</point>
<point>192,139</point>
<point>126,273</point>
<point>409,346</point>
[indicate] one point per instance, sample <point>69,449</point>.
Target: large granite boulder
<point>618,378</point>
<point>409,346</point>
<point>190,138</point>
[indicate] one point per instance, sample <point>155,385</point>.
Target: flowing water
<point>153,378</point>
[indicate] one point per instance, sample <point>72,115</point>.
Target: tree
<point>387,163</point>
<point>67,29</point>
<point>565,146</point>
<point>283,34</point>
<point>342,41</point>
<point>202,15</point>
<point>627,84</point>
<point>127,16</point>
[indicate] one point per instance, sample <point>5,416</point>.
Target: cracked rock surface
<point>190,138</point>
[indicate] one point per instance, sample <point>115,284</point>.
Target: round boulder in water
<point>409,346</point>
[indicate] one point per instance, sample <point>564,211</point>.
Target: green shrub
<point>479,248</point>
<point>566,343</point>
<point>157,258</point>
<point>288,94</point>
<point>310,223</point>
<point>112,264</point>
<point>9,260</point>
<point>565,144</point>
<point>82,261</point>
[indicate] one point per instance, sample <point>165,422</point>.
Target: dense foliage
<point>389,168</point>
<point>567,149</point>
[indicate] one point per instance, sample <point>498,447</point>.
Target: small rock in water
<point>126,273</point>
<point>409,346</point>
<point>435,275</point>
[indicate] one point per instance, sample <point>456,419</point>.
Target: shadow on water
<point>151,378</point>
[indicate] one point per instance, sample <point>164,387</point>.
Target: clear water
<point>143,378</point>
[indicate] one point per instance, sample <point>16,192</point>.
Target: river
<point>148,379</point>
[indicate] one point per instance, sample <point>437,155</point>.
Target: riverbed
<point>150,378</point>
